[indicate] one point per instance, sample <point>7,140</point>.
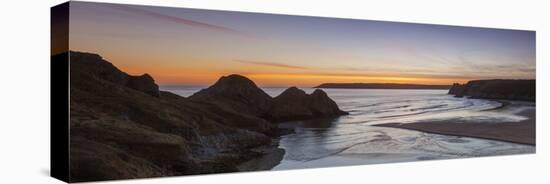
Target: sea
<point>352,140</point>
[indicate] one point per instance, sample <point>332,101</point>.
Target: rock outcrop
<point>295,104</point>
<point>144,83</point>
<point>96,66</point>
<point>236,92</point>
<point>240,93</point>
<point>122,126</point>
<point>496,89</point>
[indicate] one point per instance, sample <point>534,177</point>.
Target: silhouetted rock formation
<point>238,92</point>
<point>496,89</point>
<point>295,104</point>
<point>457,90</point>
<point>144,83</point>
<point>381,86</point>
<point>123,127</point>
<point>94,65</point>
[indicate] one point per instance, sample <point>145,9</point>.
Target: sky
<point>179,46</point>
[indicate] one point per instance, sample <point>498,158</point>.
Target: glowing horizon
<point>179,46</point>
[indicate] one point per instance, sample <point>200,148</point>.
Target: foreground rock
<point>123,127</point>
<point>496,89</point>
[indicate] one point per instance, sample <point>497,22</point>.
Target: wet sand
<point>269,157</point>
<point>522,132</point>
<point>468,128</point>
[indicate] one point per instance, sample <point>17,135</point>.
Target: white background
<point>24,92</point>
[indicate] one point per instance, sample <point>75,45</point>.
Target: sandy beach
<point>522,132</point>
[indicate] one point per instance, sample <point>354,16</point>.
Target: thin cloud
<point>382,75</point>
<point>179,20</point>
<point>271,64</point>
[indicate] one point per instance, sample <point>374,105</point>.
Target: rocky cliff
<point>240,93</point>
<point>236,92</point>
<point>122,126</point>
<point>96,67</point>
<point>496,89</point>
<point>294,104</point>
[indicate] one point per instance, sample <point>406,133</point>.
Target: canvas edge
<point>59,92</point>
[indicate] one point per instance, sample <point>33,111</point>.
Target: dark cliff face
<point>236,92</point>
<point>144,83</point>
<point>295,104</point>
<point>496,89</point>
<point>457,90</point>
<point>97,67</point>
<point>242,94</point>
<point>122,126</point>
<point>321,104</point>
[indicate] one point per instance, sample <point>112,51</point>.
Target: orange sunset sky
<point>195,47</point>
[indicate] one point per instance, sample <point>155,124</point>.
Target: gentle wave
<point>352,140</point>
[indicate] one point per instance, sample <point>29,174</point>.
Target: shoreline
<point>522,132</point>
<point>269,157</point>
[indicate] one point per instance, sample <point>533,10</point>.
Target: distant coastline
<point>381,86</point>
<point>504,89</point>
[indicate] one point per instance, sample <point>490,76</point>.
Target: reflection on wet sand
<point>353,140</point>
